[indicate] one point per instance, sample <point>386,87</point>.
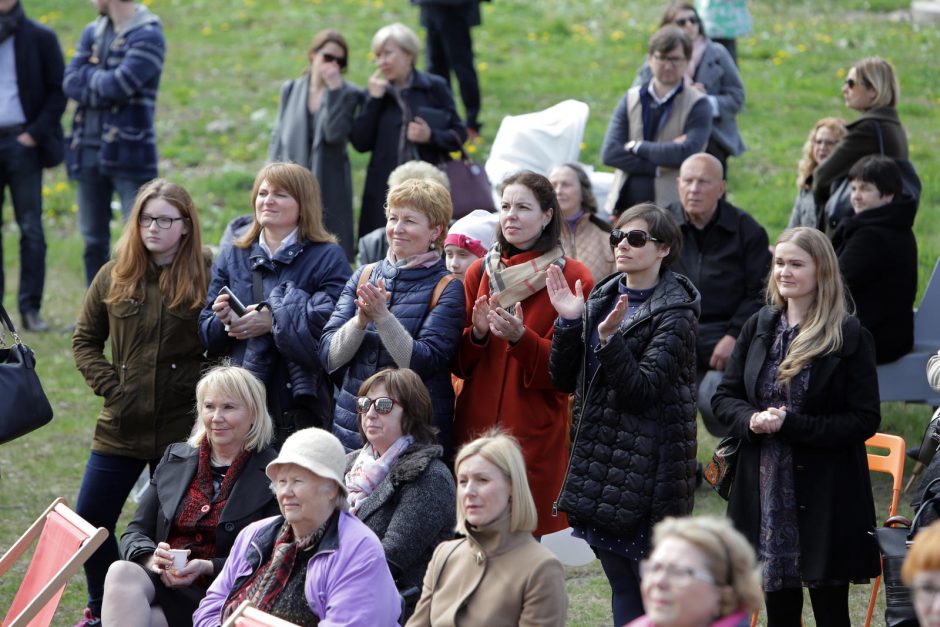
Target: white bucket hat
<point>316,450</point>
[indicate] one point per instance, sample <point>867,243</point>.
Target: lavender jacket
<point>348,581</point>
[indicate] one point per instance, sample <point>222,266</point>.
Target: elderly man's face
<point>700,188</point>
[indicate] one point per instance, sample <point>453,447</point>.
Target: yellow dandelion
<point>74,208</point>
<point>455,155</point>
<point>377,4</point>
<point>206,31</point>
<point>532,36</point>
<point>582,146</point>
<point>470,148</point>
<point>61,186</point>
<point>44,19</point>
<point>147,2</point>
<point>841,72</point>
<point>801,48</point>
<point>617,35</point>
<point>777,60</point>
<point>45,192</point>
<point>482,66</point>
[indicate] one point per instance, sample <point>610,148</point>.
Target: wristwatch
<point>631,146</point>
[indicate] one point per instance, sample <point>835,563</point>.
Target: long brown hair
<point>185,282</point>
<point>301,185</point>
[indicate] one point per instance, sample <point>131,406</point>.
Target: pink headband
<point>467,243</point>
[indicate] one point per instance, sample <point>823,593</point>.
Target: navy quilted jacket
<point>436,334</point>
<point>633,434</point>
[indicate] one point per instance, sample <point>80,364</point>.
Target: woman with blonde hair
<point>871,88</point>
<point>146,301</point>
<point>701,573</point>
<point>921,572</point>
<point>287,271</point>
<point>497,574</point>
<point>203,492</point>
<point>822,140</point>
<point>801,394</point>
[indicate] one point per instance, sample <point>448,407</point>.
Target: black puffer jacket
<point>633,437</point>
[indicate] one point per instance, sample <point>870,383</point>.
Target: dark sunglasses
<point>383,404</point>
<point>341,61</point>
<point>636,239</point>
<point>682,21</point>
<point>851,83</point>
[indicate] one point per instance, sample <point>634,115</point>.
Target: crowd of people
<point>387,444</point>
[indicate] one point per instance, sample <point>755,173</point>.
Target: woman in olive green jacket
<point>147,300</point>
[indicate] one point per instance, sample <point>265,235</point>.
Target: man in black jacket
<point>31,104</point>
<point>726,255</point>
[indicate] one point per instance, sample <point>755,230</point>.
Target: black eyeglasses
<point>329,58</point>
<point>682,21</point>
<point>851,83</point>
<point>163,222</point>
<point>383,404</point>
<point>636,239</point>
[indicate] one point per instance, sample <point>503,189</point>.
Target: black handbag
<point>720,470</point>
<point>23,405</point>
<point>894,542</point>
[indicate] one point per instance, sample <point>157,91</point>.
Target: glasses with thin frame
<point>162,221</point>
<point>383,404</point>
<point>680,576</point>
<point>636,238</point>
<point>673,61</point>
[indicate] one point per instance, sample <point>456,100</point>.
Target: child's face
<point>866,196</point>
<point>458,260</point>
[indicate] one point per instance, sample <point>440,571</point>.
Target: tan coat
<point>589,244</point>
<point>492,578</point>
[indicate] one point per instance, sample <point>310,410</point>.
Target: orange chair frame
<point>893,464</point>
<point>65,542</point>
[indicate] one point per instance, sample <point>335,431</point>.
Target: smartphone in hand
<point>234,304</point>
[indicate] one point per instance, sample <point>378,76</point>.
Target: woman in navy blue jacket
<point>291,271</point>
<point>405,311</point>
<point>407,115</point>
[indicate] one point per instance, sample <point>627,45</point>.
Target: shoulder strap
<point>881,139</point>
<point>366,273</point>
<point>439,289</point>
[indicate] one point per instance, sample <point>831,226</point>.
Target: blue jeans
<point>107,482</point>
<point>94,213</point>
<point>623,574</point>
<point>21,171</point>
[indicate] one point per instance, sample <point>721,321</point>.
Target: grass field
<point>218,100</point>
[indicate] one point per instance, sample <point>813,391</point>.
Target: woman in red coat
<point>503,355</point>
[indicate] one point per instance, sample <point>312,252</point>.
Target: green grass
<point>218,101</point>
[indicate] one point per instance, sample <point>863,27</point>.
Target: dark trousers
<point>21,172</point>
<point>107,482</point>
<point>623,574</point>
<point>830,606</point>
<point>95,191</point>
<point>450,47</point>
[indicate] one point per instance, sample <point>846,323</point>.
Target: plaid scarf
<point>263,587</point>
<point>512,284</point>
<point>200,509</point>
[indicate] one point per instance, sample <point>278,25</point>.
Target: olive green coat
<point>149,385</point>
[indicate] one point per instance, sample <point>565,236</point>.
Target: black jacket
<point>830,466</point>
<point>878,258</point>
<point>729,269</point>
<point>39,71</point>
<point>633,436</point>
<point>377,128</point>
<point>411,511</point>
<point>251,499</point>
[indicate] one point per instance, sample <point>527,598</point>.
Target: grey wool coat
<point>411,511</point>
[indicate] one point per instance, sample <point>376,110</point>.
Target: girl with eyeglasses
<point>801,395</point>
<point>712,71</point>
<point>397,484</point>
<point>628,355</point>
<point>822,140</point>
<point>312,129</point>
<point>147,301</point>
<point>871,88</point>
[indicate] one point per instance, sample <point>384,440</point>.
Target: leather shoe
<point>32,322</point>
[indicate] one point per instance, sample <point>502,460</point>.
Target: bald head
<point>700,187</point>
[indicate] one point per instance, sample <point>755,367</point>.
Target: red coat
<point>509,386</point>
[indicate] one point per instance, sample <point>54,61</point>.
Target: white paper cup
<point>179,559</point>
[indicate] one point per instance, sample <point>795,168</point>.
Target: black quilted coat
<point>633,435</point>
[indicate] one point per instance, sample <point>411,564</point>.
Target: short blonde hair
<point>401,36</point>
<point>730,557</point>
<point>426,196</point>
<point>416,169</point>
<point>878,74</point>
<point>238,383</point>
<point>924,554</point>
<point>502,450</point>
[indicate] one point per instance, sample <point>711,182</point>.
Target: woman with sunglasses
<point>628,354</point>
<point>397,484</point>
<point>800,393</point>
<point>503,355</point>
<point>146,301</point>
<point>872,89</point>
<point>713,72</point>
<point>312,129</point>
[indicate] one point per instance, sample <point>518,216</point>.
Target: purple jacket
<point>348,581</point>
